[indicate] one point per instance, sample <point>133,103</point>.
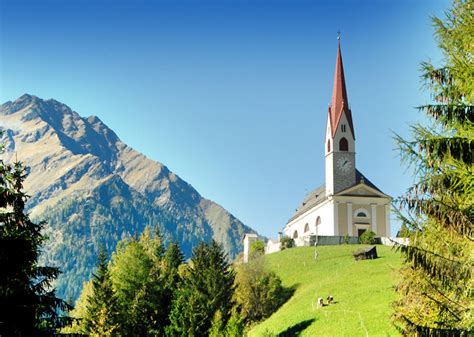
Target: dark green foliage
<point>206,289</point>
<point>28,305</point>
<point>258,292</point>
<point>438,210</point>
<point>287,242</point>
<point>102,316</point>
<point>368,238</point>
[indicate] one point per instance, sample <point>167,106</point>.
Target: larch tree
<point>436,285</point>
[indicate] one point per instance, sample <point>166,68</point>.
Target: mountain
<point>93,190</point>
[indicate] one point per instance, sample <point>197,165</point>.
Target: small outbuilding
<point>368,253</point>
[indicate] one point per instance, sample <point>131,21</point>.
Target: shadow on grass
<point>296,329</point>
<point>286,293</point>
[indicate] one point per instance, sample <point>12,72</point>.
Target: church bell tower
<point>340,138</point>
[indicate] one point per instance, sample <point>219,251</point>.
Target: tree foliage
<point>258,292</point>
<point>436,281</point>
<point>102,314</point>
<point>28,304</point>
<point>204,299</point>
<point>257,249</point>
<point>143,278</point>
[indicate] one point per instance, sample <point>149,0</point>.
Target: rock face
<point>93,190</point>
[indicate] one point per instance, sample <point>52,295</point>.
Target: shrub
<point>368,237</point>
<point>258,292</point>
<point>287,242</point>
<point>257,248</point>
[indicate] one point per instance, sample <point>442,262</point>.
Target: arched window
<point>329,145</point>
<point>343,145</point>
<point>361,213</point>
<point>295,235</point>
<point>306,228</point>
<point>318,223</point>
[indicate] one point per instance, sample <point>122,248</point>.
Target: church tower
<point>340,138</point>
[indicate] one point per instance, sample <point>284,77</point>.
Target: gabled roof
<point>340,102</point>
<point>311,199</point>
<point>318,195</point>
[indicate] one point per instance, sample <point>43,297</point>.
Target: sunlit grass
<point>363,292</point>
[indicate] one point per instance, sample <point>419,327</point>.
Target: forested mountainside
<point>93,190</point>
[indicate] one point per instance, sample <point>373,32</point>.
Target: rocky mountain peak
<point>93,189</point>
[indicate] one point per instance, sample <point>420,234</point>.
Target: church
<point>348,204</point>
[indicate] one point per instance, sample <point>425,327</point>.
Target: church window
<point>361,214</point>
<point>306,228</point>
<point>295,235</point>
<point>343,127</point>
<point>329,145</point>
<point>343,145</point>
<point>318,224</point>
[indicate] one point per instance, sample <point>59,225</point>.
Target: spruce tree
<point>207,289</point>
<point>28,305</point>
<point>436,280</point>
<point>102,314</point>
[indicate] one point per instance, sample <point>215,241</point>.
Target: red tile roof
<point>340,103</point>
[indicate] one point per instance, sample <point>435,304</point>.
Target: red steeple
<point>340,103</point>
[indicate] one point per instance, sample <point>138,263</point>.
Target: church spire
<point>340,103</point>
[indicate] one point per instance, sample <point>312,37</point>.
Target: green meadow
<point>363,293</point>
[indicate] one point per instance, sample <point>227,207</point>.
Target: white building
<point>348,203</point>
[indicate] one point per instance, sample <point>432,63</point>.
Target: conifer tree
<point>28,305</point>
<point>206,289</point>
<point>102,314</point>
<point>436,281</point>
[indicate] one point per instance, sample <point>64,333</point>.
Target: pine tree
<point>102,315</point>
<point>28,305</point>
<point>207,288</point>
<point>436,281</point>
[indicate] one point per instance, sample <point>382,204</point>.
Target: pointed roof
<point>340,103</point>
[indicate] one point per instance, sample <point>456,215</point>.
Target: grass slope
<point>363,292</point>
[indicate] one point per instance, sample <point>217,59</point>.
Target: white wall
<point>325,211</point>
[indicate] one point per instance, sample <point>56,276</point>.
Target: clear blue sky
<point>230,95</point>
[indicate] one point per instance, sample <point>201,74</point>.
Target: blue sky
<point>230,95</point>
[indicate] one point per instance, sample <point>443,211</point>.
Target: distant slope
<point>93,189</point>
<point>363,292</point>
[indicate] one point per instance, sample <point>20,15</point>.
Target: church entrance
<point>360,231</point>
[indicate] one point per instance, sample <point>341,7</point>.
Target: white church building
<point>348,203</point>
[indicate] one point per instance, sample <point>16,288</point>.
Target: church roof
<point>340,102</point>
<point>318,195</point>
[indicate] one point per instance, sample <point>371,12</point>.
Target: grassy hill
<point>363,292</point>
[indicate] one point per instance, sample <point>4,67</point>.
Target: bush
<point>257,248</point>
<point>258,292</point>
<point>287,242</point>
<point>368,237</point>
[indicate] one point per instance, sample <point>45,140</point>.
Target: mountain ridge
<point>74,161</point>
